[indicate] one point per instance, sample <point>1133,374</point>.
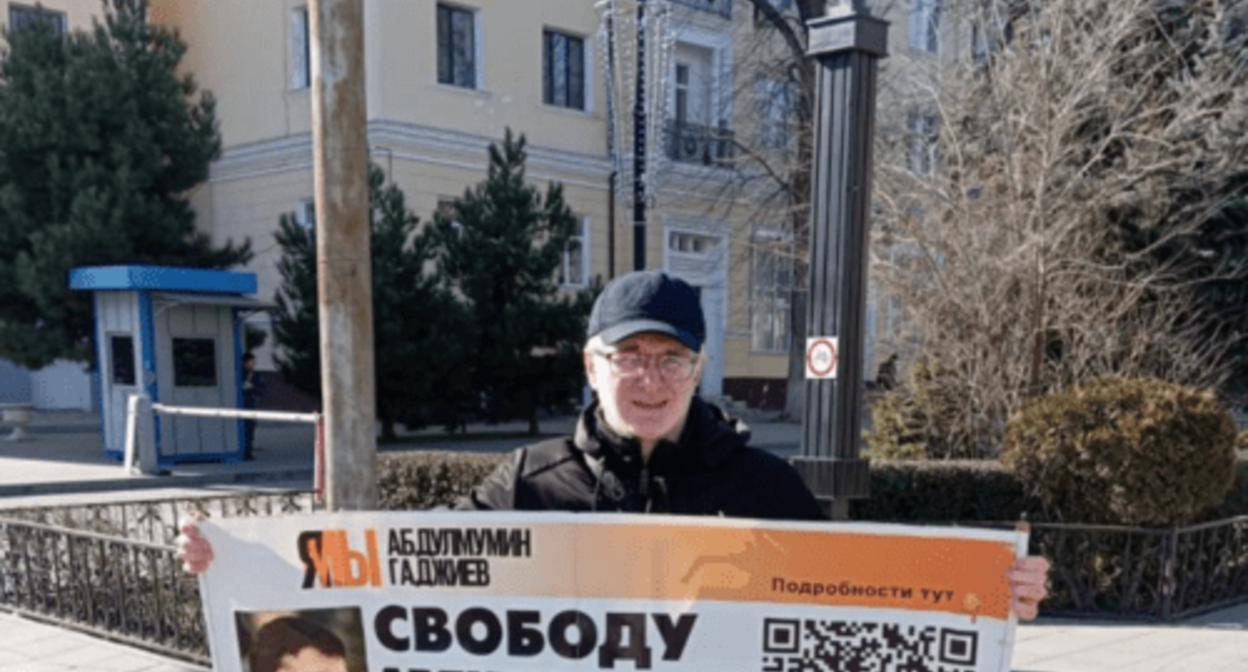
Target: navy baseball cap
<point>648,302</point>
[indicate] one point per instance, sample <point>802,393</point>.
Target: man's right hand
<point>194,551</point>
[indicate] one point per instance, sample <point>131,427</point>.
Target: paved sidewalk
<point>30,646</point>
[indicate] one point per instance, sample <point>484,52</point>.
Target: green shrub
<point>941,491</point>
<point>426,480</point>
<point>1123,451</point>
<point>926,418</point>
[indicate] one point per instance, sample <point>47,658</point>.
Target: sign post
<point>847,43</point>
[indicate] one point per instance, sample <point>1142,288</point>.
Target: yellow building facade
<point>443,81</point>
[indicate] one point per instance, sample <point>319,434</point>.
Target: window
<point>925,26</point>
<point>194,362</point>
<point>694,71</point>
<point>300,49</point>
<point>690,243</point>
<point>682,93</point>
<point>457,44</point>
<point>563,70</point>
<point>121,349</point>
<point>923,136</point>
<point>22,17</point>
<point>774,103</point>
<point>771,283</point>
<point>574,271</point>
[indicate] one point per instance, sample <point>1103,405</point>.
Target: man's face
<point>646,405</point>
<point>310,660</point>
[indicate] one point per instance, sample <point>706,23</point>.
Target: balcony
<point>695,143</point>
<point>721,7</point>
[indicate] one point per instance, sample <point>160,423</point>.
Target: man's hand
<point>193,549</point>
<point>1027,586</point>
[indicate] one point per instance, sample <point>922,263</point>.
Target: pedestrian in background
<point>252,389</point>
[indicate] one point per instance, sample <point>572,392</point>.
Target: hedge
<point>916,492</point>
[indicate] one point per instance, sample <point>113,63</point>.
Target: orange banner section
<point>962,576</point>
<point>734,563</point>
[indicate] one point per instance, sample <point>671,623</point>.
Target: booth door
<point>121,381</point>
<point>195,368</point>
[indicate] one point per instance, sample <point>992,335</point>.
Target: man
<point>648,444</point>
<point>292,644</point>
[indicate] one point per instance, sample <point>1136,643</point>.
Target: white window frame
<point>300,49</point>
<point>582,234</point>
<point>720,46</point>
<point>772,238</point>
<point>478,47</point>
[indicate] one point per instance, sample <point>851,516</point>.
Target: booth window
<point>194,362</point>
<point>122,360</point>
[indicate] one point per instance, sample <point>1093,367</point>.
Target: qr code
<point>810,645</point>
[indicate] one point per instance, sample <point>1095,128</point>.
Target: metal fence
<point>112,569</point>
<point>156,521</point>
<point>1142,573</point>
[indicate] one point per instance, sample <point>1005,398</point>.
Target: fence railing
<point>696,143</point>
<point>1144,573</point>
<point>112,569</point>
<point>156,521</point>
<point>132,591</point>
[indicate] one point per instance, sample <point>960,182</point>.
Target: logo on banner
<point>328,558</point>
<point>821,357</point>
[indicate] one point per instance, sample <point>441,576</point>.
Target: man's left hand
<point>1027,586</point>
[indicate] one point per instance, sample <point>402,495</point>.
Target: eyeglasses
<point>672,368</point>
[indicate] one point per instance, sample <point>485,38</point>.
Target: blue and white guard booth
<point>176,335</point>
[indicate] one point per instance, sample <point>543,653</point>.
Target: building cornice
<point>412,142</point>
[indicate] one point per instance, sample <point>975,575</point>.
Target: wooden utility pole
<point>343,253</point>
<point>847,44</point>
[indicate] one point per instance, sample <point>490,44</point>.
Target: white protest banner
<point>512,592</point>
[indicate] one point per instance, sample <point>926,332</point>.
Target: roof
<point>243,302</point>
<point>162,278</point>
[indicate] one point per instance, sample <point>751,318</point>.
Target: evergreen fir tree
<point>100,141</point>
<point>417,324</point>
<point>502,253</point>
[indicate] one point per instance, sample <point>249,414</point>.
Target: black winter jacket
<point>710,471</point>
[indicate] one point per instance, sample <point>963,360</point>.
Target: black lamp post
<point>847,43</point>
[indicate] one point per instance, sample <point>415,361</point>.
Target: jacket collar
<point>709,436</point>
